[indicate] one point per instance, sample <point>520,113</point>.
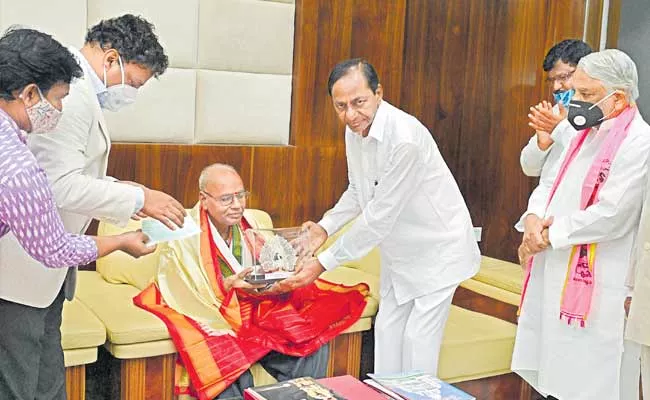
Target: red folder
<point>352,388</point>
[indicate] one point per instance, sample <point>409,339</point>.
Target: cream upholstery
<point>246,36</point>
<point>501,274</point>
<point>64,19</point>
<point>231,62</point>
<point>493,292</point>
<point>475,346</point>
<point>81,333</point>
<point>497,279</point>
<point>238,107</point>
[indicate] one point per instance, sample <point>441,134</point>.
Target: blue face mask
<point>564,97</point>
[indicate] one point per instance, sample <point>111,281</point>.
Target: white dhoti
<point>630,370</point>
<point>408,336</point>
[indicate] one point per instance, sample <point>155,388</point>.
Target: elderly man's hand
<point>534,240</point>
<point>544,121</point>
<point>237,281</point>
<point>308,273</point>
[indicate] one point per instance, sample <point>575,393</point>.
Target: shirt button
<point>646,246</point>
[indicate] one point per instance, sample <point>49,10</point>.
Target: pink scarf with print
<point>579,283</point>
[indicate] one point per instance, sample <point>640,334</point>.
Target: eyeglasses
<point>560,77</point>
<point>227,199</point>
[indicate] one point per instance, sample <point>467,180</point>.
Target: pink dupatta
<point>579,283</point>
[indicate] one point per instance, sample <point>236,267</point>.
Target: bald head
<point>222,195</point>
<point>214,172</point>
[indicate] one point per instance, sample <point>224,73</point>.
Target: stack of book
<point>407,386</point>
<point>415,386</point>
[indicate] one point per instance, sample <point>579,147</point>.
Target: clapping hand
<point>544,120</point>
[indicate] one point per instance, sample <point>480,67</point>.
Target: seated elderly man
<point>221,325</point>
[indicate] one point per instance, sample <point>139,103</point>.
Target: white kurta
<point>566,361</point>
<point>408,204</point>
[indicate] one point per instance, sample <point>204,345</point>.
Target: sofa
<point>495,290</point>
<point>475,346</point>
<point>81,333</point>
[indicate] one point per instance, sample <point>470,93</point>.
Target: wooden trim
<point>473,301</point>
<point>507,386</point>
<point>526,391</point>
<point>613,23</point>
<point>345,355</point>
<point>133,379</point>
<point>148,378</point>
<point>75,382</point>
<point>594,22</point>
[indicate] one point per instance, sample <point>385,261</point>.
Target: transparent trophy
<point>275,253</point>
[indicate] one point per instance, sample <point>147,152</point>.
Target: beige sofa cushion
<point>119,267</point>
<point>369,264</point>
<point>492,292</point>
<point>501,274</point>
<point>81,333</point>
<point>80,328</point>
<point>113,305</point>
<point>475,346</point>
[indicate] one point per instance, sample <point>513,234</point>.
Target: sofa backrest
<point>119,267</point>
<point>369,263</point>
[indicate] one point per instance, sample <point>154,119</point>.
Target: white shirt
<point>544,163</point>
<point>408,204</point>
<point>549,353</point>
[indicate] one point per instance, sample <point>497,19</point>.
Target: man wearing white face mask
<point>119,56</point>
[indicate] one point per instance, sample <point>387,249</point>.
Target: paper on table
<point>159,233</point>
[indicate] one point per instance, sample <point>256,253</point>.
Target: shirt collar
<point>22,135</point>
<point>377,125</point>
<point>95,80</point>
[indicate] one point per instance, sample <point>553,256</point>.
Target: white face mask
<point>43,115</point>
<point>117,96</point>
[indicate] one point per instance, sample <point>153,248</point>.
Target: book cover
<point>295,389</point>
<point>352,388</point>
<point>420,386</point>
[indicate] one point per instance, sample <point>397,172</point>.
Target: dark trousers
<point>31,357</point>
<point>283,368</point>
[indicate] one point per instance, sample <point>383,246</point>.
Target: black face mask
<point>584,115</point>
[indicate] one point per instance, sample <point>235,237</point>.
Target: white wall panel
<point>163,112</point>
<point>242,108</point>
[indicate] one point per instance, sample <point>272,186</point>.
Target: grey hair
<point>205,174</point>
<point>614,69</point>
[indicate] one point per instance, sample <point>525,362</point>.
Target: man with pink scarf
<point>569,341</point>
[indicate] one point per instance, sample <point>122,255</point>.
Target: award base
<point>256,279</point>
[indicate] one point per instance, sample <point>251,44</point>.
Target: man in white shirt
<point>120,55</point>
<point>541,155</point>
<point>405,202</point>
<point>569,340</point>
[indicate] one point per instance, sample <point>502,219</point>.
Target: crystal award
<point>275,253</point>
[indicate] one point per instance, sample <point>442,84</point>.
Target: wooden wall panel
<point>471,69</point>
<point>298,182</point>
<point>468,69</point>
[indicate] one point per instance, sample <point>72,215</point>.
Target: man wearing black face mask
<point>570,332</point>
